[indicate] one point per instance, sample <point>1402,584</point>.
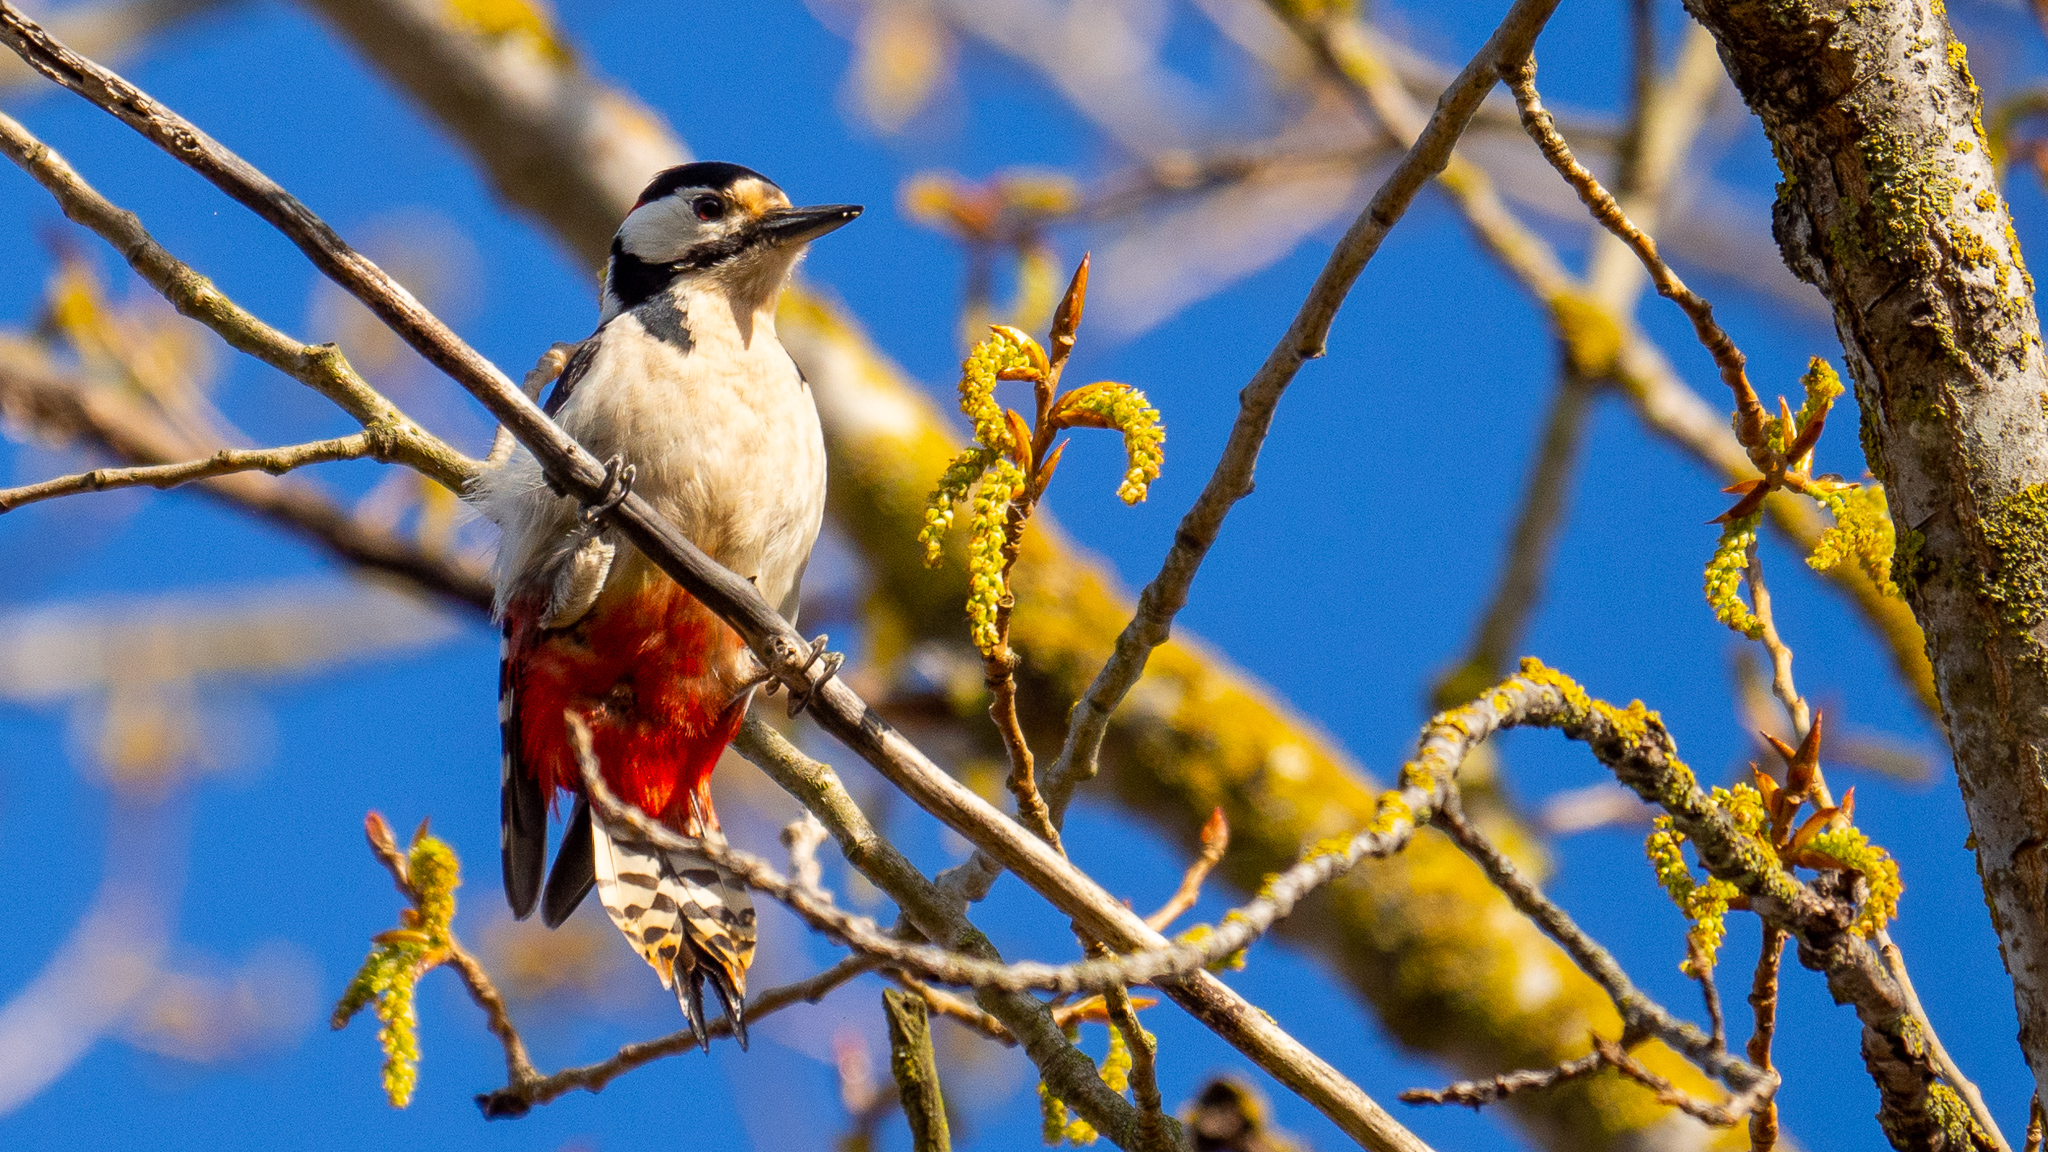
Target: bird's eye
<point>708,207</point>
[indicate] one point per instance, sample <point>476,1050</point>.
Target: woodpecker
<point>684,380</point>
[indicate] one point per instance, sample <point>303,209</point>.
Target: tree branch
<point>1890,205</point>
<point>276,461</point>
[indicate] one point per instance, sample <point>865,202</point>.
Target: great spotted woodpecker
<point>685,380</point>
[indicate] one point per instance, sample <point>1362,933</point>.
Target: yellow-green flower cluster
<point>1704,903</point>
<point>987,583</point>
<point>954,484</point>
<point>1849,847</point>
<point>391,972</point>
<point>1057,1126</point>
<point>1005,349</point>
<point>1724,578</point>
<point>1124,408</point>
<point>1823,387</point>
<point>1862,531</point>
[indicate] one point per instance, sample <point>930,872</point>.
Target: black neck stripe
<point>634,280</point>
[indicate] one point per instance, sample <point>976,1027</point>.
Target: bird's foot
<point>618,482</point>
<point>832,660</point>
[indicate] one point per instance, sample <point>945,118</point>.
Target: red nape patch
<point>654,677</point>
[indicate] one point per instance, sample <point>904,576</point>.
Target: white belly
<point>724,440</point>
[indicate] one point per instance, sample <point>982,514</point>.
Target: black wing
<point>522,810</point>
<point>579,363</point>
<point>575,869</point>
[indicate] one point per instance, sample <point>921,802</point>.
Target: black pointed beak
<point>798,225</point>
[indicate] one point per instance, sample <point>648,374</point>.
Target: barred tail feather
<point>691,921</point>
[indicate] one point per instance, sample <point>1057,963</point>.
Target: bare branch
<point>518,1098</point>
<point>1215,842</point>
<point>276,461</point>
<point>1640,1015</point>
<point>390,435</point>
<point>1763,1000</point>
<point>1232,479</point>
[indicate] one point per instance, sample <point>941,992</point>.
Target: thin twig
<point>543,373</point>
<point>392,436</point>
<point>1782,685</point>
<point>1520,74</point>
<point>1640,1015</point>
<point>276,461</point>
<point>1763,1000</point>
<point>1725,1115</point>
<point>1215,842</point>
<point>517,1099</point>
<point>1478,1093</point>
<point>2035,1120</point>
<point>1710,993</point>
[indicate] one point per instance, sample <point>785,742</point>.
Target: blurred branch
<point>389,435</point>
<point>111,29</point>
<point>916,1071</point>
<point>38,396</point>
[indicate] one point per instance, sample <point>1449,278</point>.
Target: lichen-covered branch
<point>916,1071</point>
<point>1890,205</point>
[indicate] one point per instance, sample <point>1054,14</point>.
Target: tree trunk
<point>1889,205</point>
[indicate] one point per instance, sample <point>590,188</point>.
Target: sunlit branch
<point>516,1099</point>
<point>67,408</point>
<point>390,435</point>
<point>276,461</point>
<point>1232,479</point>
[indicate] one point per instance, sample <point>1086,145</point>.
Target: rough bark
<point>1889,205</point>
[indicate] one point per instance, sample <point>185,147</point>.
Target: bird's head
<point>726,224</point>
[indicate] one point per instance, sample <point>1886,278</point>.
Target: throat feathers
<point>685,380</point>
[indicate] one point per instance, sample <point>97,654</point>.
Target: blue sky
<point>1383,498</point>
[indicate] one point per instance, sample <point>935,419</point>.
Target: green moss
<point>2017,530</point>
<point>1909,567</point>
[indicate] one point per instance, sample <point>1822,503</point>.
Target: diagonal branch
<point>391,436</point>
<point>1231,481</point>
<point>781,650</point>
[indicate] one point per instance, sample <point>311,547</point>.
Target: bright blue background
<point>1384,494</point>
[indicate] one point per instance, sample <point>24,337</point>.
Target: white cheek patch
<point>662,231</point>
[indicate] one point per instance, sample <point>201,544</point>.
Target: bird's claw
<point>832,660</point>
<point>618,481</point>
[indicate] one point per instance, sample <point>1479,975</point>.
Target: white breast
<point>723,437</point>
